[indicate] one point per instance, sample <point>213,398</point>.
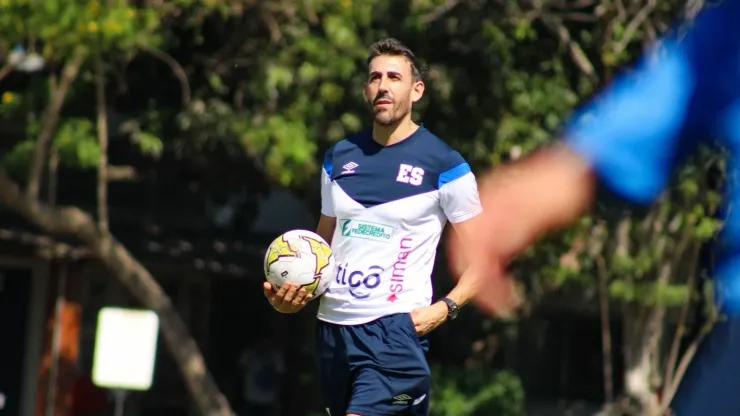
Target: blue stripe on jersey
<point>372,174</point>
<point>453,174</point>
<point>328,161</point>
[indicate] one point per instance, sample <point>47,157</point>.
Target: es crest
<point>410,175</point>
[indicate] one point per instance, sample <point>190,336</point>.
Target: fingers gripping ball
<point>302,258</point>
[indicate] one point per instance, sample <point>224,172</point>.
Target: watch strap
<point>452,308</point>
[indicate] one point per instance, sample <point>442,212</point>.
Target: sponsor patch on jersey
<point>367,230</point>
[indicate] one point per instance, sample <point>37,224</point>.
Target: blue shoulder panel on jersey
<point>453,174</point>
<point>372,174</point>
<point>328,160</point>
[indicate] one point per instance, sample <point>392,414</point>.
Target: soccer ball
<point>302,258</point>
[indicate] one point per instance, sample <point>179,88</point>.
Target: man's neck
<point>389,135</point>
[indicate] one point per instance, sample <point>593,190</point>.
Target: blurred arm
<point>523,200</point>
<point>630,137</point>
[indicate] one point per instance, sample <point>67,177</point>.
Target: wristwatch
<point>452,308</point>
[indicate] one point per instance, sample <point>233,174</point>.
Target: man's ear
<point>417,91</point>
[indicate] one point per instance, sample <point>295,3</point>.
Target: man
<point>631,138</point>
<point>386,196</point>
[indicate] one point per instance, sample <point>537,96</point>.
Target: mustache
<point>382,97</point>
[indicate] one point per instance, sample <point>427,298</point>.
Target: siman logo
<point>367,230</point>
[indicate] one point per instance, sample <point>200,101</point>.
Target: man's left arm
<point>458,194</point>
<point>468,283</point>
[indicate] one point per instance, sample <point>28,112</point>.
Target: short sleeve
<point>630,134</point>
<point>458,191</point>
<point>327,203</point>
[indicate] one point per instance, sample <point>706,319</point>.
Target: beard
<point>388,115</point>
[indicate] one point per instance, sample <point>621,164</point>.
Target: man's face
<point>391,90</point>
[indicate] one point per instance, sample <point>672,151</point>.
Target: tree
<point>77,37</point>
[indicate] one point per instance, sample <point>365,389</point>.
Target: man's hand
<point>429,317</point>
<point>500,297</point>
<point>289,299</point>
<point>521,201</point>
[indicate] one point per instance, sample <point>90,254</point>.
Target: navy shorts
<point>373,369</point>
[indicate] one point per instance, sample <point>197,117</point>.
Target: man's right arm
<point>326,227</point>
<point>288,299</point>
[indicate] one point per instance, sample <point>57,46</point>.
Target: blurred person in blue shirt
<point>631,138</point>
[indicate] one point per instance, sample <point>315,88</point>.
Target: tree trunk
<point>606,334</point>
<point>642,364</point>
<point>76,223</point>
<point>57,95</point>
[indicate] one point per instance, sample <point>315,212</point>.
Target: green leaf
<point>18,159</point>
<point>149,144</point>
<point>76,144</point>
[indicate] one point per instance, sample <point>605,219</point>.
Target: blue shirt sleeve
<point>634,132</point>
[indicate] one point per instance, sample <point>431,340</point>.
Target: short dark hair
<point>393,47</point>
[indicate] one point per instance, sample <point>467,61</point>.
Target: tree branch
<point>52,177</point>
<point>102,127</point>
<point>310,13</point>
<point>621,10</point>
<point>606,337</point>
<point>176,68</point>
<point>121,174</point>
<point>680,331</point>
<point>272,25</point>
<point>578,4</point>
<point>438,12</point>
<point>51,117</point>
<point>555,25</point>
<point>135,277</point>
<point>685,360</point>
<point>692,9</point>
<point>633,25</point>
<point>5,70</point>
<point>578,17</point>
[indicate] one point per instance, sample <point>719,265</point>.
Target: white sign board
<point>125,348</point>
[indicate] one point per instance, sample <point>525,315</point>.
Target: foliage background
<point>220,103</point>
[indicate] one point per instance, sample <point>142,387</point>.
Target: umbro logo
<point>349,168</point>
<point>402,399</point>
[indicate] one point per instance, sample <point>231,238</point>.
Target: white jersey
<point>391,204</point>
